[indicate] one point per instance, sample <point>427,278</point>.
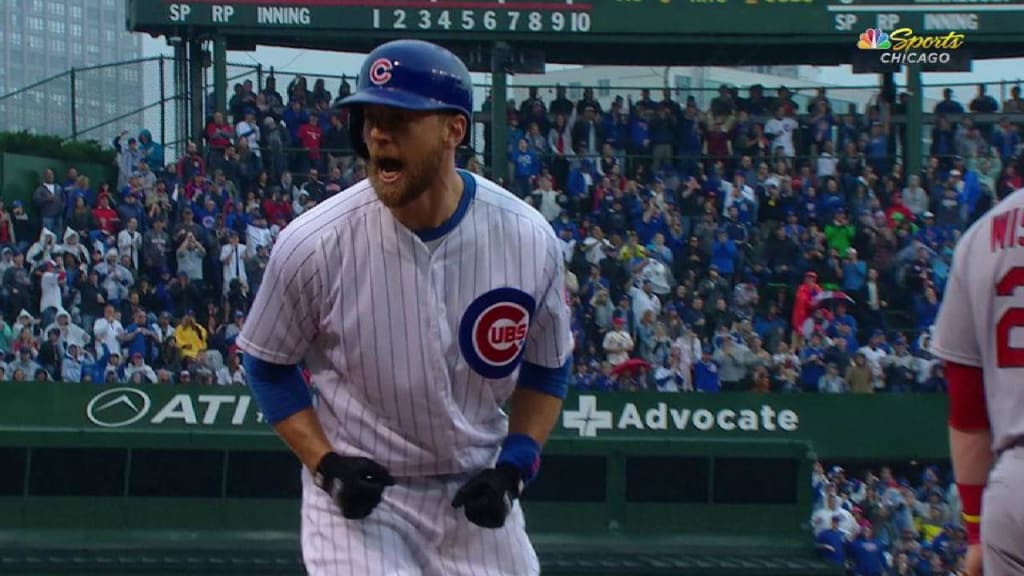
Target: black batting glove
<point>355,484</point>
<point>488,497</point>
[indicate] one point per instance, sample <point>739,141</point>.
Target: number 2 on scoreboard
<point>1008,356</point>
<point>399,18</point>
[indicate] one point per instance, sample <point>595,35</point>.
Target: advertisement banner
<point>836,426</point>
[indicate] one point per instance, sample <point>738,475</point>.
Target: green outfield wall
<point>708,478</point>
<point>833,426</point>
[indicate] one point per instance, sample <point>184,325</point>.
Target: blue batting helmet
<point>412,75</point>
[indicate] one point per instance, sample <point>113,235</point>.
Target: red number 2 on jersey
<point>1007,356</point>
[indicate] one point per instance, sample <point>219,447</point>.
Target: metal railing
<point>98,102</point>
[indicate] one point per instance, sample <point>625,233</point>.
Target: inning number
<point>1006,355</point>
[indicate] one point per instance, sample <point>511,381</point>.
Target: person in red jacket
<point>276,207</point>
<point>897,207</point>
<point>311,135</point>
<point>105,216</point>
<point>803,304</point>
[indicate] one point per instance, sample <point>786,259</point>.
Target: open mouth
<point>389,169</point>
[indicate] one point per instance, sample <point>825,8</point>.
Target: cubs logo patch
<point>380,71</point>
<point>492,332</point>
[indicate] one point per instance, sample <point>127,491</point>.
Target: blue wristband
<point>523,452</point>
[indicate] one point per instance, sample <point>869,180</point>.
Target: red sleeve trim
<point>967,406</point>
<point>970,502</point>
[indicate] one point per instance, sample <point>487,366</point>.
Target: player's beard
<point>417,173</point>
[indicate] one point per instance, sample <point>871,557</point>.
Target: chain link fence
<point>95,103</point>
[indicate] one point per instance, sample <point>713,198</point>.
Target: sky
<point>313,63</point>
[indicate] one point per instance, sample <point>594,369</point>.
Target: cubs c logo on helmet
<point>380,71</point>
<point>492,333</point>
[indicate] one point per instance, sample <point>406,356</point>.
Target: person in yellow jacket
<point>191,337</point>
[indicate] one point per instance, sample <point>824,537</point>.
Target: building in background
<point>45,38</point>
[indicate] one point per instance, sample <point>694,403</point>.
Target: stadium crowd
<point>880,524</point>
<point>749,245</point>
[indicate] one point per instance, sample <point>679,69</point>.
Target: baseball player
<point>421,300</point>
<point>979,334</point>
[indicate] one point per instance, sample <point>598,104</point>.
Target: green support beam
<point>915,128</point>
<point>220,73</point>
<point>499,114</point>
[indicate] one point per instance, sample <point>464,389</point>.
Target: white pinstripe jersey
<point>414,343</point>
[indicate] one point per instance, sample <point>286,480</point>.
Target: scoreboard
<point>584,20</point>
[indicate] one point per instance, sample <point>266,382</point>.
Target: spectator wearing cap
<point>310,136</point>
<point>724,252</point>
<point>831,542</point>
<point>139,336</point>
<point>812,361</point>
<point>900,368</point>
<point>617,343</point>
<point>106,218</point>
<point>705,374</point>
<point>24,364</point>
<point>803,303</point>
<point>137,369</point>
<point>128,158</point>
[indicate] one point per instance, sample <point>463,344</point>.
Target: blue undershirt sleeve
<point>280,391</point>
<point>550,381</point>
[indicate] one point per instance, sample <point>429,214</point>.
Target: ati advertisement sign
<point>119,407</point>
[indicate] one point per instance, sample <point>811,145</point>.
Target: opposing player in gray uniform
<point>421,300</point>
<point>979,334</point>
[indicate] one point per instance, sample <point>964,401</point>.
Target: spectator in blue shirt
<point>831,543</point>
<point>723,253</point>
<point>867,554</point>
<point>705,373</point>
<point>854,272</point>
<point>527,167</point>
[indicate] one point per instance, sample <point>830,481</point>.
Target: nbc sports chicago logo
<point>904,46</point>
